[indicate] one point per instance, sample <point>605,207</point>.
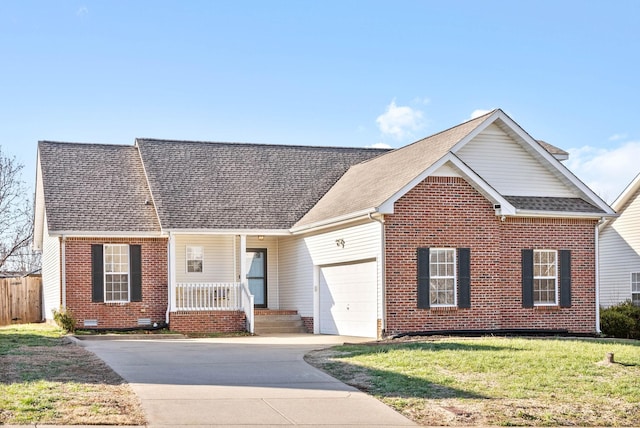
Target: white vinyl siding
<point>619,254</point>
<point>296,276</point>
<point>51,275</point>
<point>508,167</point>
<point>301,255</point>
<point>218,263</point>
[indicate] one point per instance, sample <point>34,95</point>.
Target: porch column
<point>243,258</point>
<point>172,272</point>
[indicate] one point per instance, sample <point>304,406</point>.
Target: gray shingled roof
<point>538,203</point>
<point>206,185</point>
<point>371,183</point>
<point>94,187</point>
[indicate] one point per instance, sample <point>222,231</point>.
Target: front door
<point>257,275</point>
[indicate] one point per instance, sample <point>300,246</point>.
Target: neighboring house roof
<point>207,185</point>
<point>557,152</point>
<point>627,195</point>
<point>95,187</point>
<point>373,186</point>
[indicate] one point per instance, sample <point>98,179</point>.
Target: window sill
<point>443,308</point>
<point>547,308</point>
<point>116,303</point>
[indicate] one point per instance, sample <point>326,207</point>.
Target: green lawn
<point>497,381</point>
<point>46,379</point>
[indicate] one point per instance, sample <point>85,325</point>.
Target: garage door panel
<point>348,299</point>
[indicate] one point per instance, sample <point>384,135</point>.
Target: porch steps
<point>274,322</point>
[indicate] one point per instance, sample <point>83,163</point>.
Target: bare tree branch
<point>16,227</point>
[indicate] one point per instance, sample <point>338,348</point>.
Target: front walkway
<point>242,381</point>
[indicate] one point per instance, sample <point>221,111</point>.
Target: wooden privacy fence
<point>20,300</point>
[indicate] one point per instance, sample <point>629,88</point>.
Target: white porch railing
<point>247,304</point>
<point>222,296</point>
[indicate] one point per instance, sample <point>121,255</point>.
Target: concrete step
<point>278,323</point>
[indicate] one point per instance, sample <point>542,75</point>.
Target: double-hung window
<point>444,278</point>
<point>442,266</point>
<point>195,259</point>
<point>116,273</point>
<point>635,288</point>
<point>545,277</point>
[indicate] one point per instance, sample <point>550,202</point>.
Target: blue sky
<point>341,73</point>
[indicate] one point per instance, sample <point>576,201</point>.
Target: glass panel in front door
<point>256,276</point>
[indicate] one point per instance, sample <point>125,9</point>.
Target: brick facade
<point>116,315</point>
<point>208,321</point>
<point>448,212</point>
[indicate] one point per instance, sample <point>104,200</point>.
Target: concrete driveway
<point>243,381</point>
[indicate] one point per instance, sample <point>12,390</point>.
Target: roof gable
<point>374,186</point>
<point>208,185</point>
<point>94,188</point>
<point>509,165</point>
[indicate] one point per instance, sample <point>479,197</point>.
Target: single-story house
<point>619,255</point>
<point>478,227</point>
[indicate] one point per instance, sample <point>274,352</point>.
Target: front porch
<point>217,281</point>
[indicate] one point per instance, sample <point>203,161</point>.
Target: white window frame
<point>635,287</point>
<point>189,252</point>
<point>433,275</point>
<point>106,273</point>
<point>546,277</point>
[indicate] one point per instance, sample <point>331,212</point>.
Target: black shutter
<point>135,272</point>
<point>565,278</point>
<point>464,277</point>
<point>97,273</point>
<point>423,278</point>
<point>527,278</point>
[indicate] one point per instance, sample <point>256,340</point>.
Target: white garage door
<point>348,299</point>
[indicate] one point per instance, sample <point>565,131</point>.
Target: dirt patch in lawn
<point>63,384</point>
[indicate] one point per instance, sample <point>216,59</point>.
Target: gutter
<point>335,221</point>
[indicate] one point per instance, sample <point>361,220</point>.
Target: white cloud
<point>617,137</point>
<point>379,146</point>
<point>478,113</point>
<point>400,121</point>
<point>82,11</point>
<point>421,100</point>
<point>606,171</point>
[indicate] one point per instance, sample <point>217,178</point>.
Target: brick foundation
<point>208,322</point>
<point>308,324</point>
<point>116,315</point>
<point>448,212</point>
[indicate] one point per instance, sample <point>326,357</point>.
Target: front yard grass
<point>496,381</point>
<point>46,379</point>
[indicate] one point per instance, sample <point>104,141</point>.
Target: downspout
<point>169,270</point>
<point>597,245</point>
<point>383,273</point>
<point>63,272</point>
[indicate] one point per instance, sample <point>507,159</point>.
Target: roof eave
<point>562,214</point>
<point>264,232</point>
<point>105,234</point>
<point>334,221</point>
